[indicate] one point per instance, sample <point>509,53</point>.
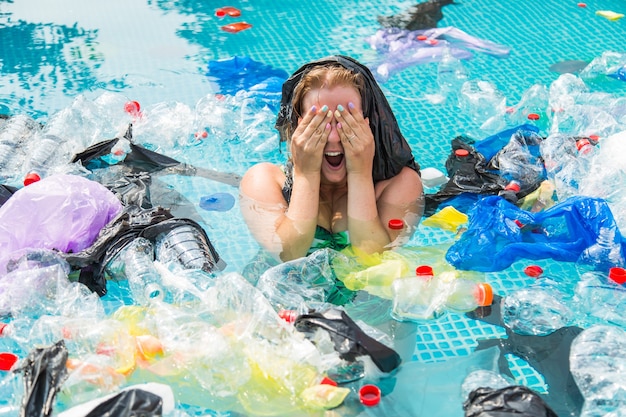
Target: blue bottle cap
<point>217,202</point>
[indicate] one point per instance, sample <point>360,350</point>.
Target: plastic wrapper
<point>499,233</point>
<point>61,212</point>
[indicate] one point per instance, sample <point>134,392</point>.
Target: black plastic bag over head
<point>516,400</point>
<point>349,340</point>
<point>392,150</point>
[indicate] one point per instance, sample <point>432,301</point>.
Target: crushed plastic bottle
<point>604,254</point>
<point>539,309</point>
<point>451,74</point>
<point>598,365</point>
<point>45,152</point>
<point>14,134</point>
<point>602,297</point>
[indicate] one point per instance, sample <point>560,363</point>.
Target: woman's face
<point>334,164</point>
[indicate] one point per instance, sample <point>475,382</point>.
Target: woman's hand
<point>309,139</point>
<point>357,140</point>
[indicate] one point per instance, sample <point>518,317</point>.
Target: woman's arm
<point>284,232</point>
<point>287,230</point>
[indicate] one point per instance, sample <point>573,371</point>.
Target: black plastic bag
<point>130,403</point>
<point>516,400</point>
<point>467,173</point>
<point>350,341</point>
<point>44,372</point>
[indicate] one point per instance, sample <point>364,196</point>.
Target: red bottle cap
<point>583,146</point>
<point>7,360</point>
<point>533,116</point>
<point>369,395</point>
<point>396,224</point>
<point>483,294</point>
<point>533,271</point>
<point>31,177</point>
<point>513,186</point>
<point>424,271</point>
<point>461,153</point>
<point>288,315</point>
<point>2,327</point>
<point>617,275</point>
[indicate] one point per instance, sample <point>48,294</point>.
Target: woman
<point>350,169</point>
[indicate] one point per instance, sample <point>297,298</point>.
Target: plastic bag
<point>511,401</point>
<point>499,233</point>
<point>60,212</point>
<point>44,373</point>
<point>350,341</point>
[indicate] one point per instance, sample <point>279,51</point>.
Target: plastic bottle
<point>143,278</point>
<point>604,254</point>
<point>184,246</point>
<point>466,295</point>
<point>13,135</point>
<point>451,74</point>
<point>425,296</point>
<point>539,309</point>
<point>602,297</point>
<point>598,364</point>
<point>45,153</point>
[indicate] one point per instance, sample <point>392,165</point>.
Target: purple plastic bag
<point>60,212</point>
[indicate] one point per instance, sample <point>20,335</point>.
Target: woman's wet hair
<point>323,76</point>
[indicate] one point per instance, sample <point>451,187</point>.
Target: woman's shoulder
<point>262,178</point>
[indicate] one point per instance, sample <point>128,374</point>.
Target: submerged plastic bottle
<point>451,74</point>
<point>598,364</point>
<point>604,254</point>
<point>539,309</point>
<point>602,297</point>
<point>143,278</point>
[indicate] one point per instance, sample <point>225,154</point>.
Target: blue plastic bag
<point>499,233</point>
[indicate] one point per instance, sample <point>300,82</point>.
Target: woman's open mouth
<point>334,158</point>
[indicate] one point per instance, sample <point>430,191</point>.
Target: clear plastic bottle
<point>602,297</point>
<point>539,309</point>
<point>14,133</point>
<point>417,297</point>
<point>466,295</point>
<point>143,278</point>
<point>451,74</point>
<point>425,296</point>
<point>604,254</point>
<point>598,365</point>
<point>45,152</point>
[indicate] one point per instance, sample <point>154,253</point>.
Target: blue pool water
<point>158,52</point>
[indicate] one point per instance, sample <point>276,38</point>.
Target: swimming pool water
<point>157,52</point>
